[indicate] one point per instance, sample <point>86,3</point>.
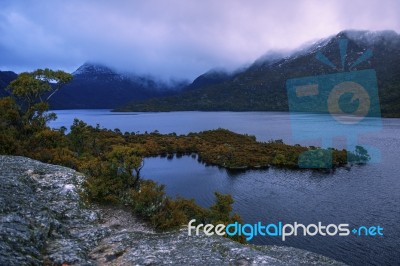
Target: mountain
<point>5,78</point>
<point>262,86</point>
<point>212,77</point>
<point>95,86</point>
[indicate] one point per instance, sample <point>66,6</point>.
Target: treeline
<point>112,160</point>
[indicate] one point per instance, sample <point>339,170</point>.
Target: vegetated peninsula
<point>262,86</point>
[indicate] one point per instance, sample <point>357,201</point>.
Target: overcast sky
<point>168,38</point>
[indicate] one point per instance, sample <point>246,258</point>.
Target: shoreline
<point>67,231</point>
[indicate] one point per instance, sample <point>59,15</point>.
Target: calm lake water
<point>366,195</point>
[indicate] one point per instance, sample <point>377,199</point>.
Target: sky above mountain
<point>173,38</point>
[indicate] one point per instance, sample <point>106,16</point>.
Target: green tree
<point>33,90</point>
<point>127,160</point>
<point>360,155</point>
<point>221,210</point>
<point>79,136</point>
<point>9,126</point>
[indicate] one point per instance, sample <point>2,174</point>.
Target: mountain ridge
<point>258,87</point>
<point>5,78</point>
<point>262,86</point>
<point>96,86</point>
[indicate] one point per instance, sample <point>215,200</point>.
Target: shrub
<point>147,199</point>
<point>102,185</point>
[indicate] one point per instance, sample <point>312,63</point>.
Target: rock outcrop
<point>44,221</point>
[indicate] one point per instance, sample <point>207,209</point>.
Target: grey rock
<point>44,221</point>
<point>42,217</point>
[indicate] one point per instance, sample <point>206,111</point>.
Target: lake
<point>366,195</point>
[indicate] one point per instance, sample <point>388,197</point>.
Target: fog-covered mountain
<point>262,86</point>
<point>97,86</point>
<point>258,87</point>
<point>214,76</point>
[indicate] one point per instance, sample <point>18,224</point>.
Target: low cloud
<point>175,38</point>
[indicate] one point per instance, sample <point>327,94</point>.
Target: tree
<point>221,210</point>
<point>79,136</point>
<point>9,126</point>
<point>361,155</point>
<point>33,90</point>
<point>127,160</point>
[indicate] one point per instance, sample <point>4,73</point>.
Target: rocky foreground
<point>43,221</point>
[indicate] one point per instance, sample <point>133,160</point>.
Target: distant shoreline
<point>115,111</point>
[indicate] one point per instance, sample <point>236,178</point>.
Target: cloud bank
<point>173,38</point>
